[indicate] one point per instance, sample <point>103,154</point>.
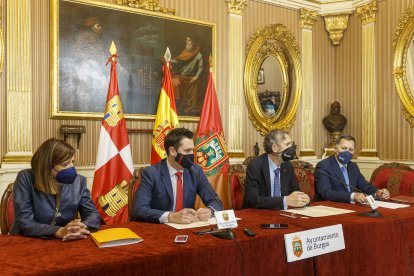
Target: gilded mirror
<point>404,63</point>
<point>272,78</point>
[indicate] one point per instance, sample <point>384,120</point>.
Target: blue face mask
<point>344,157</point>
<point>66,176</point>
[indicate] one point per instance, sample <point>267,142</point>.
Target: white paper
<point>319,211</point>
<point>211,221</point>
<point>391,205</point>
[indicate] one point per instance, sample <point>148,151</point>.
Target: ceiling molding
<point>321,6</point>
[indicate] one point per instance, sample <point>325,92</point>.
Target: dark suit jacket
<point>155,194</point>
<point>330,189</point>
<point>34,210</point>
<point>258,186</point>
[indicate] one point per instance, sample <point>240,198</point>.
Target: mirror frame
<point>402,38</point>
<point>260,46</point>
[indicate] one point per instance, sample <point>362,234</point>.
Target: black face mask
<point>186,161</point>
<point>289,154</point>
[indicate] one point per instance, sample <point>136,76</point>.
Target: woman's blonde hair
<point>51,153</point>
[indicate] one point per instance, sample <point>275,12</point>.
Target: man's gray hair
<point>273,137</point>
<point>345,137</point>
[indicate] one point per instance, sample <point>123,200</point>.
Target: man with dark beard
<point>187,68</point>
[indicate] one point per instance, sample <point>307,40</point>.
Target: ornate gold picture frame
<point>275,42</point>
<point>404,63</point>
<point>81,34</point>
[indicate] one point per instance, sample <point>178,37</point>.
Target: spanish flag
<point>166,118</point>
<point>114,168</point>
<point>210,146</point>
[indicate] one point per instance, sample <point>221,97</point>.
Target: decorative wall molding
<point>236,6</point>
<point>336,24</point>
<point>367,12</point>
<point>308,18</point>
<point>149,5</point>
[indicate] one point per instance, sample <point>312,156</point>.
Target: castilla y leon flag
<point>210,146</point>
<point>166,118</point>
<point>114,162</point>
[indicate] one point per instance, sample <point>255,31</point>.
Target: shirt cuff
<point>212,211</point>
<point>164,217</point>
<point>352,200</point>
<point>285,206</point>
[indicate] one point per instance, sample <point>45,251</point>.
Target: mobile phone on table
<point>274,226</point>
<point>181,239</point>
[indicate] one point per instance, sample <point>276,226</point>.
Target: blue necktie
<point>276,183</point>
<point>345,173</point>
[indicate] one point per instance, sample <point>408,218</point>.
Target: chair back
<point>396,177</point>
<point>248,159</point>
<point>7,211</point>
<point>132,188</point>
<point>237,179</point>
<point>304,176</point>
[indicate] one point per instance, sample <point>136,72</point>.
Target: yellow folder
<point>115,237</point>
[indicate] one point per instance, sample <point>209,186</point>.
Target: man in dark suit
<point>168,189</point>
<point>270,182</point>
<point>340,167</point>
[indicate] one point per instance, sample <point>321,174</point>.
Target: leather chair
<point>248,159</point>
<point>133,186</point>
<point>304,176</point>
<point>237,179</point>
<point>7,211</point>
<point>396,177</point>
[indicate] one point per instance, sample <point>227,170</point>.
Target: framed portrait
<point>261,77</point>
<point>81,34</point>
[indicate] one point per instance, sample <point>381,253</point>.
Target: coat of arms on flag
<point>211,152</point>
<point>114,161</point>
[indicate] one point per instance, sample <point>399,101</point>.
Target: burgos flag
<point>114,162</point>
<point>210,146</point>
<point>166,118</point>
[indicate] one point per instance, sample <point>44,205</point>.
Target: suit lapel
<point>166,180</point>
<point>351,176</point>
<point>266,174</point>
<point>283,180</point>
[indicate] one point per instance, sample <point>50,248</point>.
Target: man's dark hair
<point>174,137</point>
<point>345,137</point>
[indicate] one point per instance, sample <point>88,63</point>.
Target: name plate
<point>225,219</point>
<point>315,242</point>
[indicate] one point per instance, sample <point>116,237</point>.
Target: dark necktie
<point>276,183</point>
<point>180,196</point>
<point>345,173</point>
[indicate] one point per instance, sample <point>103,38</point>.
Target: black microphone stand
<point>226,234</point>
<point>373,213</point>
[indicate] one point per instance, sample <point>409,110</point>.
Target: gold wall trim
<point>1,41</point>
<point>308,18</point>
<point>236,6</point>
<point>367,12</point>
<point>336,24</point>
<point>402,40</point>
<point>149,5</point>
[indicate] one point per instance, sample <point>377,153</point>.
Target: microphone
<point>371,201</point>
<point>227,234</point>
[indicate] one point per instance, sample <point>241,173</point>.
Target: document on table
<point>319,211</point>
<point>211,221</point>
<point>391,205</point>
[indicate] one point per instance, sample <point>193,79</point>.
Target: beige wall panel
<point>395,136</point>
<point>258,15</point>
<point>348,82</point>
<point>324,66</point>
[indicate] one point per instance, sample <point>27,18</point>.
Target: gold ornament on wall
<point>367,12</point>
<point>149,5</point>
<point>308,18</point>
<point>278,44</point>
<point>336,24</point>
<point>403,63</point>
<point>236,6</point>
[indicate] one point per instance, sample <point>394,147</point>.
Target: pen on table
<point>289,216</point>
